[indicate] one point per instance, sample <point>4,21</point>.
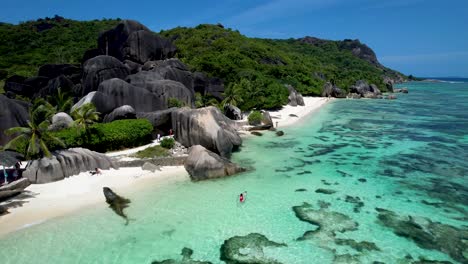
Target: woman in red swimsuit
<point>241,197</point>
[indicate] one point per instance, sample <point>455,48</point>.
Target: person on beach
<point>96,171</point>
<point>5,174</point>
<point>158,137</point>
<point>170,132</point>
<point>16,174</point>
<point>242,197</point>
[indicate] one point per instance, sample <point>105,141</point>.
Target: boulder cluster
<point>131,74</point>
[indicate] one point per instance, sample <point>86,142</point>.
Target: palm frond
<point>14,130</point>
<point>13,144</point>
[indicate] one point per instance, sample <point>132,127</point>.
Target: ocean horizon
<point>359,181</point>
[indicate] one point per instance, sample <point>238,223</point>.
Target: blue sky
<point>419,37</point>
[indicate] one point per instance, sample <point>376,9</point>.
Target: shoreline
<point>44,202</point>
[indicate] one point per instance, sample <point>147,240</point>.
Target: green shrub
<point>167,143</point>
<point>156,151</point>
<point>255,118</point>
<point>104,137</point>
<point>174,102</point>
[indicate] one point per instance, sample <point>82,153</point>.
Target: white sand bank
<point>290,115</point>
<point>47,201</point>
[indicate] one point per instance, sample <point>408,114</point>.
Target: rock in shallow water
<point>248,249</point>
<point>203,164</point>
<point>427,234</point>
<point>327,222</point>
<point>186,259</point>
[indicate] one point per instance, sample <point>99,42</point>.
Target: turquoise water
<point>407,155</point>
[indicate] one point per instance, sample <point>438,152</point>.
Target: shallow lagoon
<point>408,156</point>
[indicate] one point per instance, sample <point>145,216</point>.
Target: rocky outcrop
<point>52,71</point>
<point>122,112</point>
<point>99,69</point>
<point>13,113</point>
<point>13,188</point>
<point>148,166</point>
<point>153,96</point>
<point>130,40</point>
<point>142,46</point>
<point>365,90</point>
<point>252,248</point>
<point>154,81</point>
<point>161,120</point>
<point>60,121</point>
<point>203,164</point>
<point>232,112</point>
<point>427,234</point>
<point>266,119</point>
<point>207,127</point>
<point>66,163</point>
<point>173,62</point>
<point>61,82</point>
<point>402,90</point>
<point>16,85</point>
<point>294,97</point>
<point>330,90</point>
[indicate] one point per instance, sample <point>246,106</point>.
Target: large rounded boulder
<point>66,163</point>
<point>99,69</point>
<point>203,164</point>
<point>207,127</point>
<point>60,121</point>
<point>330,90</point>
<point>13,113</point>
<point>122,112</point>
<point>294,98</point>
<point>130,40</point>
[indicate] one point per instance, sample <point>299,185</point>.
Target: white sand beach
<point>42,202</point>
<point>51,200</point>
<point>290,115</point>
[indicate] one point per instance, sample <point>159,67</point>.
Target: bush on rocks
<point>255,118</point>
<point>167,143</point>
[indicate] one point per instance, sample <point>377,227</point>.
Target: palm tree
<point>85,116</point>
<point>232,94</point>
<point>35,134</point>
<point>62,100</point>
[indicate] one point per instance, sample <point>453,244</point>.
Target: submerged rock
<point>116,202</point>
<point>325,191</point>
<point>327,222</point>
<point>248,249</point>
<point>186,259</point>
<point>359,246</point>
<point>256,133</point>
<point>427,234</point>
<point>203,164</point>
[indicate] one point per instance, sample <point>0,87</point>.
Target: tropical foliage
<point>34,139</point>
<point>105,137</point>
<point>28,45</point>
<point>62,101</point>
<point>255,118</point>
<point>85,116</point>
<point>167,143</point>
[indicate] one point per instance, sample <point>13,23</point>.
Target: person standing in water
<point>242,197</point>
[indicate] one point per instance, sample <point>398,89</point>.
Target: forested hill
<point>304,63</point>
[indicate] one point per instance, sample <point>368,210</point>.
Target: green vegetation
<point>174,102</point>
<point>156,151</point>
<point>27,46</point>
<point>254,70</point>
<point>255,118</point>
<point>268,64</point>
<point>167,143</point>
<point>34,140</point>
<point>85,116</point>
<point>105,137</point>
<point>62,101</point>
